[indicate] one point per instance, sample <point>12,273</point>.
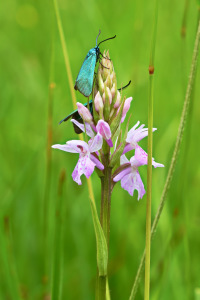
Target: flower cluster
<point>103,126</point>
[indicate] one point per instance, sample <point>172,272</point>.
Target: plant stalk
<point>149,191</point>
<point>105,223</point>
<point>174,156</point>
<point>149,165</point>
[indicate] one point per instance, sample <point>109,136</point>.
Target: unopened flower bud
<point>108,94</point>
<point>100,83</point>
<point>118,100</point>
<point>84,113</point>
<point>108,82</point>
<point>126,108</point>
<point>104,129</point>
<point>113,90</point>
<point>98,102</point>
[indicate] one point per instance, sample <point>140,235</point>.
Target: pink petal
<point>74,146</point>
<point>84,166</point>
<point>124,160</point>
<point>98,164</point>
<point>135,135</point>
<point>95,144</point>
<point>87,126</point>
<point>109,142</point>
<point>156,165</point>
<point>123,173</point>
<point>128,147</point>
<point>142,158</point>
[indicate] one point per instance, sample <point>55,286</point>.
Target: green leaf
<point>102,250</point>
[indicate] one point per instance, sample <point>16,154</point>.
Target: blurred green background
<point>28,31</point>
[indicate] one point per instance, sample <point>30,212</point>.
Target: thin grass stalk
<point>56,288</point>
<point>184,20</point>
<point>48,157</point>
<point>46,201</point>
<point>11,276</point>
<point>65,53</point>
<point>183,185</point>
<point>174,156</point>
<point>149,165</point>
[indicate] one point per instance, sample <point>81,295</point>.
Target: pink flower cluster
<point>106,147</point>
<point>89,153</point>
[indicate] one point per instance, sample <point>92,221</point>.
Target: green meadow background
<point>31,58</point>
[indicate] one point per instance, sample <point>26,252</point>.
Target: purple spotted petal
<point>84,166</point>
<point>142,158</point>
<point>89,130</point>
<point>95,144</point>
<point>133,181</point>
<point>74,146</point>
<point>98,164</point>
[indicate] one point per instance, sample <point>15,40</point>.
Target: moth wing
<point>74,115</point>
<point>84,80</point>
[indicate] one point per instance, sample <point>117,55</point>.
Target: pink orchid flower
<point>130,177</point>
<point>102,128</point>
<point>135,135</point>
<point>87,160</point>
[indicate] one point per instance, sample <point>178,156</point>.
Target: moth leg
<point>104,56</point>
<point>103,65</point>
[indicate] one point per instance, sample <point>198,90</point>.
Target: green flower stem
<point>57,251</point>
<point>106,200</point>
<point>102,281</point>
<point>174,156</point>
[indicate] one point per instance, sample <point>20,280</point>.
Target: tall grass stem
<point>174,156</point>
<point>65,53</point>
<point>57,251</point>
<point>149,165</point>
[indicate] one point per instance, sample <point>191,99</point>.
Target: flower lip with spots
<point>87,161</point>
<point>130,177</point>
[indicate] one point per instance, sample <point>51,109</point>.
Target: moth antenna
<point>125,86</point>
<point>113,37</point>
<point>98,36</point>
